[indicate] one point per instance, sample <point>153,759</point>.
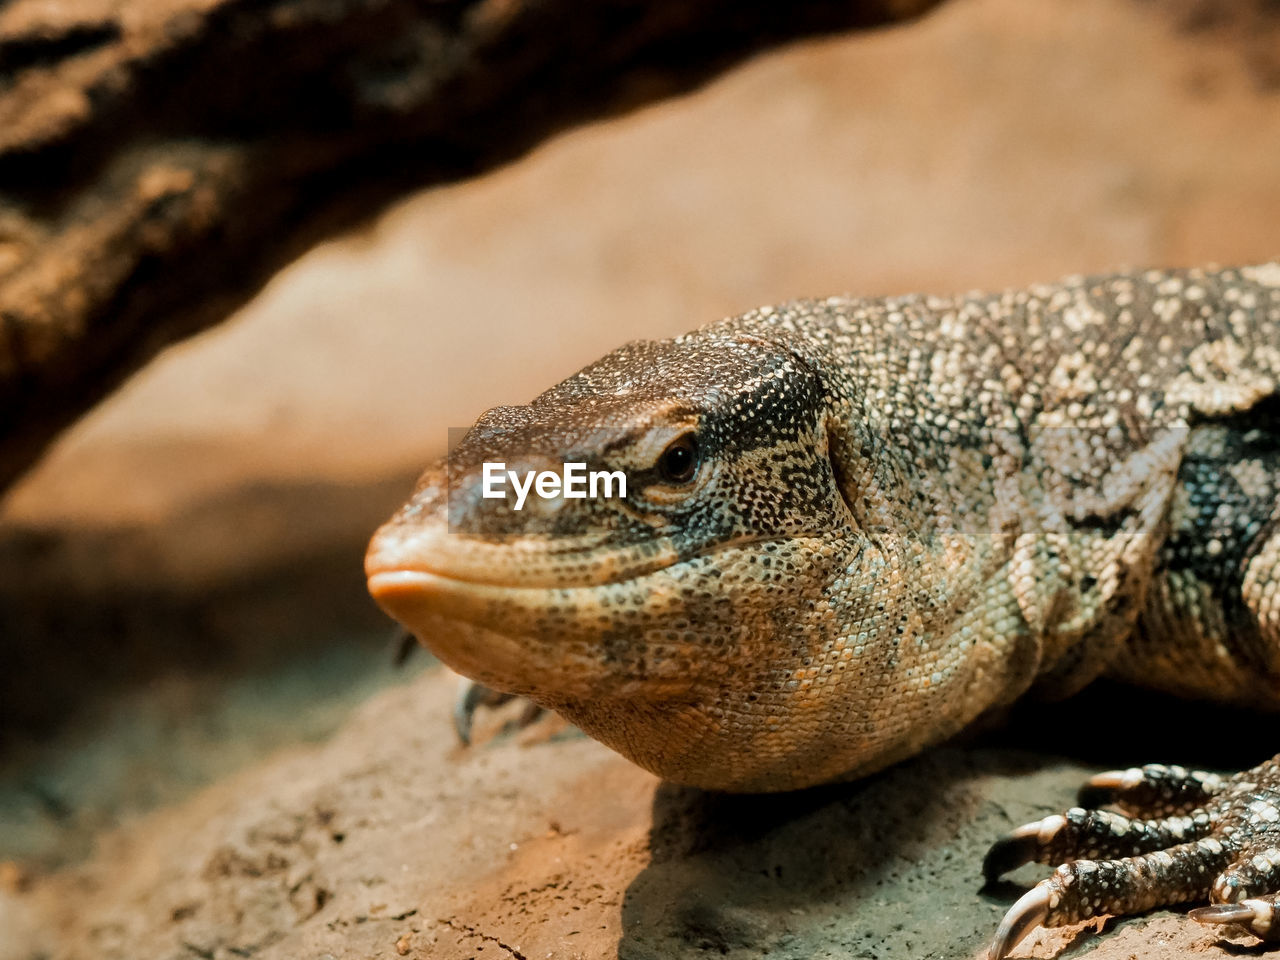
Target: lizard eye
<point>679,461</point>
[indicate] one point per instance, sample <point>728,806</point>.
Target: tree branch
<point>159,160</point>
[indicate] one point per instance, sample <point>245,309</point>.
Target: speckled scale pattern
<point>906,512</point>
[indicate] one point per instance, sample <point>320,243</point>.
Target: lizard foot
<point>1186,836</point>
<point>472,696</point>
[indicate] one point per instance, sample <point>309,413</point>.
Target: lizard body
<point>853,526</point>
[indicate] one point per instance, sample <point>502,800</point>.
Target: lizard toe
<point>1084,889</point>
<point>1253,874</point>
<point>1081,834</point>
<point>1155,790</point>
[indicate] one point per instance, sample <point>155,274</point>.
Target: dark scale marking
<point>907,512</point>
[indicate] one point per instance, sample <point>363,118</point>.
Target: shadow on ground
<point>891,866</point>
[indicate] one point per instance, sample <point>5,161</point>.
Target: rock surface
<point>391,840</point>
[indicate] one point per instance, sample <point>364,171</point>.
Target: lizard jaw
<point>518,639</point>
<point>449,617</point>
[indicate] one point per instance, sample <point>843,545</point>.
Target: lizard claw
<point>403,643</point>
<point>1024,916</point>
<point>1103,788</point>
<point>1020,846</point>
<point>1223,913</point>
<point>1257,915</point>
<point>472,696</point>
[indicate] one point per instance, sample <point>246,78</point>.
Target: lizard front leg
<point>1184,836</point>
<point>1210,629</point>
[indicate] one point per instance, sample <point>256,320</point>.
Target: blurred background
<point>180,575</point>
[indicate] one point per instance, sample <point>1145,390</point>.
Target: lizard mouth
<point>399,555</point>
<point>416,597</point>
<point>478,629</point>
<point>422,577</point>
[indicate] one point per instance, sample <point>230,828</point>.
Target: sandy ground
<point>213,513</point>
<point>390,840</point>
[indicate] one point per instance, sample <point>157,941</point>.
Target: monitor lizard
<point>853,527</point>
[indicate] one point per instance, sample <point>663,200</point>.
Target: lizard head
<point>630,615</point>
<point>735,620</point>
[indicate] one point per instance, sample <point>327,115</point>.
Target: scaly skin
<point>854,526</point>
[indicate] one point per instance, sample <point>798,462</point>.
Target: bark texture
<point>159,159</point>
